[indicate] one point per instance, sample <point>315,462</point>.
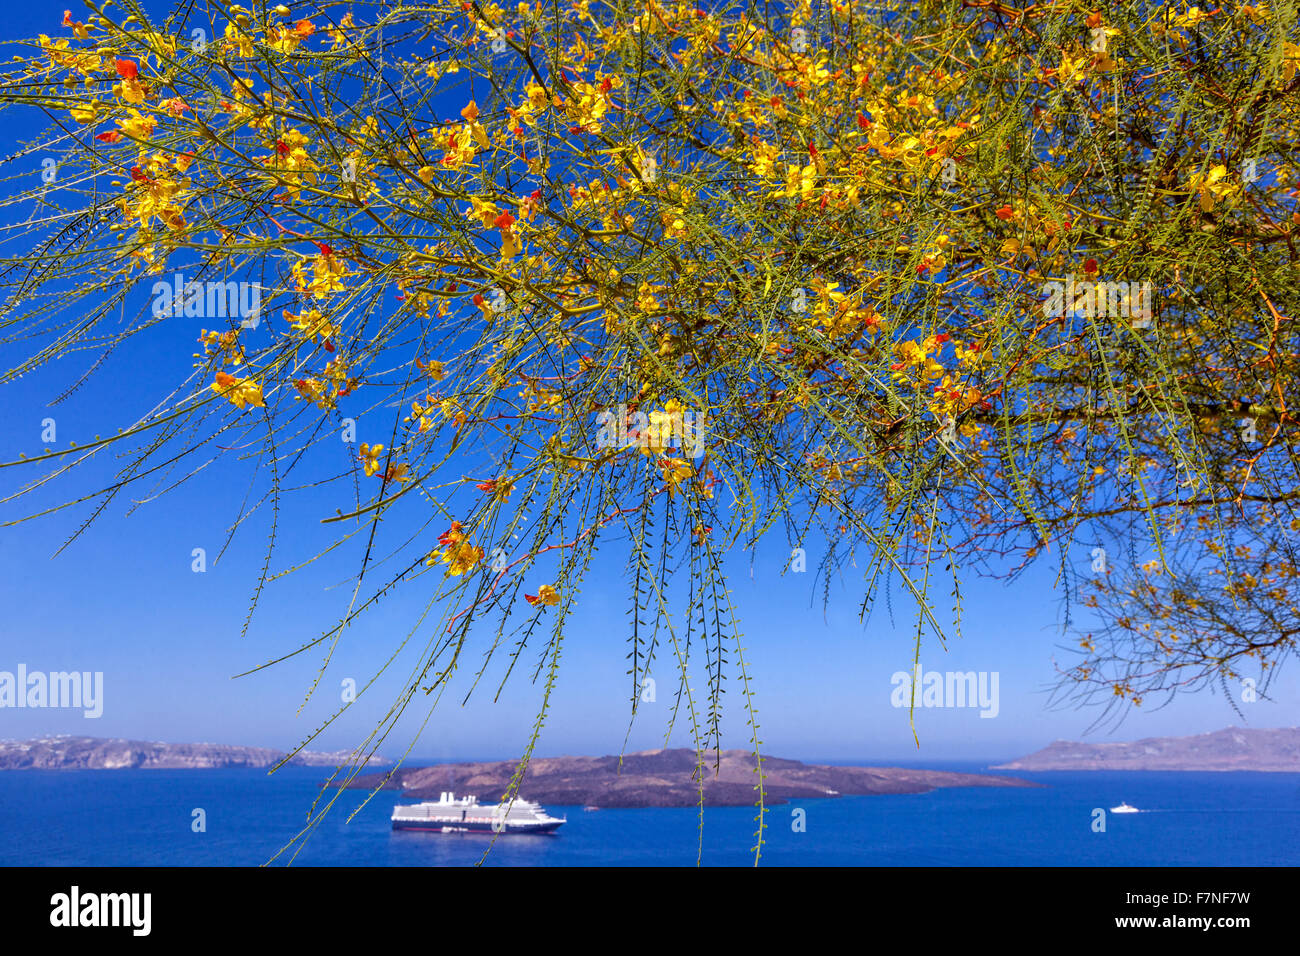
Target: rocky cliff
<point>1233,749</point>
<point>94,753</point>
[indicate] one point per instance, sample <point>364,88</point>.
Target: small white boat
<point>1124,808</point>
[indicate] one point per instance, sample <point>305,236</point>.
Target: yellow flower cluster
<point>327,274</point>
<point>312,324</point>
<point>456,552</point>
<point>916,361</point>
<point>241,392</point>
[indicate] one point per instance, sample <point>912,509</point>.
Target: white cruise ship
<point>449,814</point>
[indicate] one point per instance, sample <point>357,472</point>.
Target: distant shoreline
<point>96,753</point>
<point>1231,749</point>
<point>1222,751</point>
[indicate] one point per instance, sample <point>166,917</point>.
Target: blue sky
<point>123,600</point>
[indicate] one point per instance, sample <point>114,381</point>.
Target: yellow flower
<point>130,90</point>
<point>87,114</point>
<point>312,325</point>
<point>537,100</point>
<point>463,558</point>
<point>764,164</point>
<point>240,391</point>
<point>676,470</point>
<point>432,369</point>
<point>420,413</point>
<point>459,554</point>
<point>137,126</point>
<point>458,148</point>
<point>540,398</point>
<point>915,360</point>
<point>291,162</point>
<point>1192,18</point>
<point>664,426</point>
<point>588,109</point>
<point>545,595</point>
<point>454,412</point>
<point>1290,60</point>
<point>1211,186</point>
<point>247,47</point>
<point>337,35</point>
<point>313,390</point>
<point>226,342</point>
<point>370,456</point>
<point>510,246</point>
<point>327,275</point>
<point>800,183</point>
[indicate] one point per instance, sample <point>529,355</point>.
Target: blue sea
<point>145,818</point>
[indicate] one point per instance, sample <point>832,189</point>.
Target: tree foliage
<point>928,288</point>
